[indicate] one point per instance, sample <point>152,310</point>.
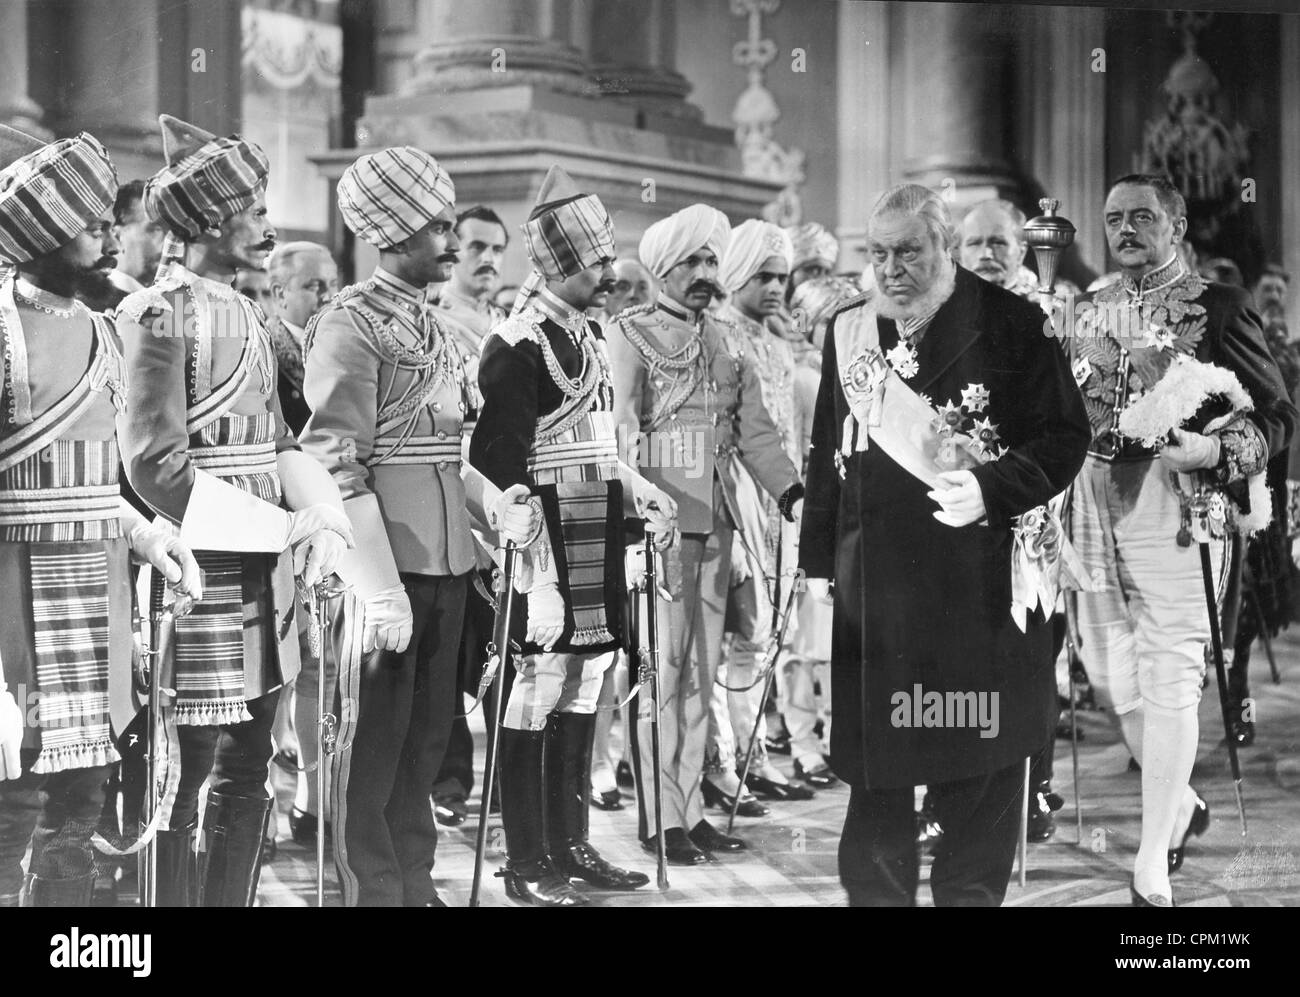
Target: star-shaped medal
<point>949,420</point>
<point>974,398</point>
<point>903,359</point>
<point>987,435</point>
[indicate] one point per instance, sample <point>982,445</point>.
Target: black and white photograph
<point>649,453</point>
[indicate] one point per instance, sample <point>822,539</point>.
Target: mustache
<point>704,285</point>
<point>486,268</point>
<point>266,244</point>
<point>606,287</point>
<point>105,263</point>
<point>448,258</point>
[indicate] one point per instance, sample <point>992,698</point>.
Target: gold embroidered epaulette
<point>154,298</point>
<point>527,324</point>
<point>853,302</point>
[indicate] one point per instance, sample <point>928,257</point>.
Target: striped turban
<point>813,244</point>
<point>206,180</point>
<point>752,244</point>
<point>670,240</point>
<point>568,231</point>
<point>389,195</point>
<point>49,193</point>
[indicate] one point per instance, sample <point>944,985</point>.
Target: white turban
<point>752,244</point>
<point>669,241</point>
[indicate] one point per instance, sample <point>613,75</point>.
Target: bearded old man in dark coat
<point>944,413</point>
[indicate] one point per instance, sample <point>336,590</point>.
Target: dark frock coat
<point>919,602</point>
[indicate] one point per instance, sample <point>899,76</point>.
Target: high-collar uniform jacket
<point>185,341</point>
<point>287,340</point>
<point>547,423</point>
<point>388,396</point>
<point>920,603</point>
<point>676,371</point>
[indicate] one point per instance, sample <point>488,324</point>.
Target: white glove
<point>1191,452</point>
<point>740,571</point>
<point>515,518</point>
<point>11,734</point>
<point>959,497</point>
<point>387,622</point>
<point>1295,552</point>
<point>319,535</point>
<point>545,616</point>
<point>170,558</point>
<point>820,590</point>
<point>659,511</point>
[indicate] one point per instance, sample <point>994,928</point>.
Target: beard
<point>924,303</point>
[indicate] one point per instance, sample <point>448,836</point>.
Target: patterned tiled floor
<point>793,858</point>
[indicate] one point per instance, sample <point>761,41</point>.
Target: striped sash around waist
<point>67,491</point>
<point>443,450</point>
<point>240,449</point>
<point>588,451</point>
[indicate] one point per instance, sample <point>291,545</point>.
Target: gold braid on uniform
<point>686,359</point>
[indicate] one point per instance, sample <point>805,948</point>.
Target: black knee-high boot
<point>177,865</point>
<point>232,832</point>
<point>529,873</point>
<point>569,742</point>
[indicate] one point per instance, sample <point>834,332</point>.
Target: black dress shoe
<point>707,837</point>
<point>771,790</point>
<point>1243,731</point>
<point>715,797</point>
<point>678,848</point>
<point>623,775</point>
<point>778,744</point>
<point>451,810</point>
<point>302,828</point>
<point>539,883</point>
<point>581,861</point>
<point>819,776</point>
<point>1155,900</point>
<point>1042,825</point>
<point>611,799</point>
<point>1195,827</point>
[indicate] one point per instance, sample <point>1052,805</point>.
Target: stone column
<point>954,125</point>
<point>17,109</point>
<point>1066,102</point>
<point>1288,101</point>
<point>633,44</point>
<point>112,72</point>
<point>493,43</point>
<point>863,102</point>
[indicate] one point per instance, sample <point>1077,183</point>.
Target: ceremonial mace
<point>1049,235</point>
<point>493,675</point>
<point>316,599</point>
<point>649,674</point>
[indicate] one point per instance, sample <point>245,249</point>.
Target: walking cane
<point>769,663</point>
<point>1202,506</point>
<point>498,661</point>
<point>1023,847</point>
<point>153,657</point>
<point>1262,624</point>
<point>650,675</point>
<point>1072,657</point>
<point>317,600</point>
